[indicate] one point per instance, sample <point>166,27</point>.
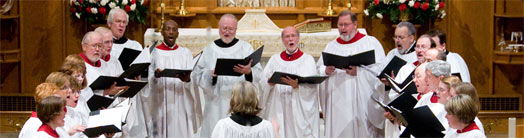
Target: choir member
<point>461,113</point>
<point>444,87</point>
<point>42,91</point>
<point>294,106</point>
<point>217,89</point>
<point>173,105</point>
<point>345,95</point>
<point>243,122</point>
<point>405,41</point>
<point>114,68</point>
<point>74,66</point>
<point>75,121</point>
<point>51,111</point>
<point>458,65</point>
<point>433,54</point>
<point>467,88</point>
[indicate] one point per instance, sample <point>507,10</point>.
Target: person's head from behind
<point>290,38</point>
<point>62,81</point>
<point>74,59</point>
<point>404,36</point>
<point>51,111</point>
<point>107,40</point>
<point>433,54</point>
<point>244,99</point>
<point>227,27</point>
<point>347,25</point>
<point>44,90</point>
<point>465,88</point>
<point>461,111</point>
<point>170,32</point>
<point>444,87</point>
<point>435,71</point>
<point>77,71</point>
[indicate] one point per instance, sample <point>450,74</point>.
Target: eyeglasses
<point>342,25</point>
<point>398,37</point>
<point>228,28</point>
<point>96,45</point>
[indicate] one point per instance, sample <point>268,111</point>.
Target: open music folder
<point>174,72</point>
<point>275,78</point>
<point>343,62</point>
<point>225,66</point>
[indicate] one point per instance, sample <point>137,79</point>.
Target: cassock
<point>218,93</point>
<point>295,110</point>
<point>30,126</point>
<point>135,122</point>
<point>173,106</point>
<point>345,99</point>
<point>458,65</point>
<point>74,118</point>
<point>227,128</point>
<point>470,131</point>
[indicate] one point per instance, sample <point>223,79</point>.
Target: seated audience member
<point>461,112</point>
<point>51,111</point>
<point>243,122</point>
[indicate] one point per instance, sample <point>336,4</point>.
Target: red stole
<point>355,38</point>
<point>33,114</point>
<point>292,57</point>
<point>416,63</point>
<point>106,58</point>
<point>163,46</point>
<point>434,98</point>
<point>97,63</point>
<point>47,129</point>
<point>470,127</point>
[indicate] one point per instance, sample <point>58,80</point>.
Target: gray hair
<point>227,16</point>
<point>88,35</point>
<point>351,14</point>
<point>112,13</point>
<point>410,26</point>
<point>102,30</point>
<point>282,33</point>
<point>439,68</point>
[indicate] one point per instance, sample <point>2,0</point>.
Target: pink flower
<point>425,6</point>
<point>402,7</point>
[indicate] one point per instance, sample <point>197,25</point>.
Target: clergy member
<point>458,65</point>
<point>173,107</point>
<point>217,89</point>
<point>294,106</point>
<point>344,96</point>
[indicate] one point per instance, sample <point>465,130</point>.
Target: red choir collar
<point>47,129</point>
<point>434,98</point>
<point>419,96</point>
<point>106,58</point>
<point>468,128</point>
<point>33,114</point>
<point>291,57</point>
<point>355,38</point>
<point>164,46</point>
<point>416,63</point>
<point>97,63</point>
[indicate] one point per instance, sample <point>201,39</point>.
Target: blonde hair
<point>464,107</point>
<point>244,99</point>
<point>467,89</point>
<point>44,90</point>
<point>450,80</point>
<point>74,59</point>
<point>69,69</point>
<point>59,79</point>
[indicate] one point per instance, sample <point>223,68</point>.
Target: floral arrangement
<point>416,11</point>
<point>96,11</point>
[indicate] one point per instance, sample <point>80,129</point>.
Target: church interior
<point>37,35</point>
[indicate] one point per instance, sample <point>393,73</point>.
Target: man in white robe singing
<point>217,89</point>
<point>294,106</point>
<point>346,94</point>
<point>174,106</point>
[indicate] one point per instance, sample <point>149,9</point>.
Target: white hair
<point>102,30</point>
<point>88,35</point>
<point>439,68</point>
<point>231,16</point>
<point>112,13</point>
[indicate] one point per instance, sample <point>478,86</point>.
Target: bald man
<point>172,107</point>
<point>217,89</point>
<point>293,106</point>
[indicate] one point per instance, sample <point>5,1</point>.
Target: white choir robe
<point>458,65</point>
<point>470,132</point>
<point>409,58</point>
<point>227,128</point>
<point>72,119</point>
<point>217,96</point>
<point>345,100</point>
<point>174,108</point>
<point>135,123</point>
<point>41,134</point>
<point>82,108</point>
<point>295,110</point>
<point>30,126</point>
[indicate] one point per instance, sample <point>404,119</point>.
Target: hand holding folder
<point>226,66</point>
<point>276,78</point>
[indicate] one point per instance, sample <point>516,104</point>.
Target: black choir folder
<point>96,101</point>
<point>174,72</point>
<point>106,121</point>
<point>400,106</point>
<point>423,123</point>
<point>134,70</point>
<point>343,62</point>
<point>225,66</point>
<point>394,65</point>
<point>127,57</point>
<point>275,78</point>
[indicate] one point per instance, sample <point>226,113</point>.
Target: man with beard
<point>346,94</point>
<point>173,105</point>
<point>405,42</point>
<point>294,106</point>
<point>217,89</point>
<point>458,65</point>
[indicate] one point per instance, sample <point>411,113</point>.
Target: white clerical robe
<point>74,118</point>
<point>217,96</point>
<point>458,65</point>
<point>409,57</point>
<point>345,99</point>
<point>227,128</point>
<point>295,110</point>
<point>470,132</point>
<point>174,108</point>
<point>30,126</point>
